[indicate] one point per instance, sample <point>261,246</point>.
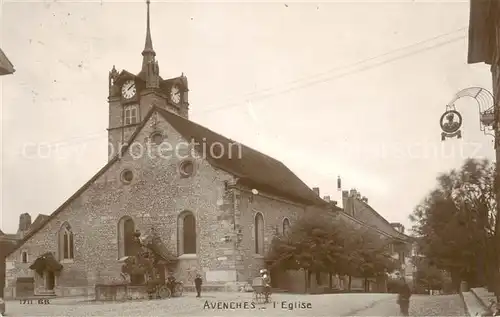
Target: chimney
<point>24,222</point>
<point>345,197</point>
<point>326,198</point>
<point>334,203</point>
<point>353,193</point>
<point>364,199</point>
<point>316,190</point>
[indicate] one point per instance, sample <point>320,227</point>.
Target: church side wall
<point>154,198</point>
<point>273,210</point>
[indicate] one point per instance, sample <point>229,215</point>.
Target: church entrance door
<point>50,281</point>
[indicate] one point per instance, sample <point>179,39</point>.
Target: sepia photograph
<point>243,158</point>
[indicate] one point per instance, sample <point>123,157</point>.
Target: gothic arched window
<point>126,230</point>
<point>186,233</point>
<point>259,233</point>
<point>66,244</point>
<point>286,226</point>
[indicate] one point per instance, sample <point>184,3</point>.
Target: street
<point>239,304</point>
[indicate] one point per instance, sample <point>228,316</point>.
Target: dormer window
<point>131,115</point>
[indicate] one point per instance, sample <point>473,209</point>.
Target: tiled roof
<point>252,167</point>
<point>40,219</point>
<point>392,231</point>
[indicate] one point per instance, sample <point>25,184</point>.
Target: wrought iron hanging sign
<point>451,122</point>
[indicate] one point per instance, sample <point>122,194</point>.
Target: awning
<point>154,243</point>
<point>46,262</point>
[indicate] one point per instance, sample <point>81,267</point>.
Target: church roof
<point>253,168</point>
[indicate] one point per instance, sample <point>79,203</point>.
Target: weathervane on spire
<point>150,71</point>
<point>148,46</point>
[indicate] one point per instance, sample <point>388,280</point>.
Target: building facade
<point>357,210</point>
<point>9,241</point>
<point>215,203</point>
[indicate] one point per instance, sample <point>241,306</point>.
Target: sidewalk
<point>477,301</point>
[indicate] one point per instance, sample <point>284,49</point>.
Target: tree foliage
<point>316,245</point>
<point>428,275</point>
<point>455,222</point>
<point>140,263</point>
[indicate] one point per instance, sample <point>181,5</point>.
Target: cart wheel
<point>178,290</point>
<point>164,292</point>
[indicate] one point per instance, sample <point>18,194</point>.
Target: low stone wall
<point>120,292</point>
<point>228,287</point>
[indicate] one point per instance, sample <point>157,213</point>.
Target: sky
<point>349,88</point>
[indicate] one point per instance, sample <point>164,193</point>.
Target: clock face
<point>128,89</point>
<point>175,94</point>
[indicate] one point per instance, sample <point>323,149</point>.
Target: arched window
<point>66,244</point>
<point>286,226</point>
<point>24,257</point>
<point>259,233</point>
<point>126,230</point>
<point>186,233</point>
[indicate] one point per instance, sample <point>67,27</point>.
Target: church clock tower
<point>131,96</point>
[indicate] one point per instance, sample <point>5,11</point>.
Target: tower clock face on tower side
<point>175,94</point>
<point>128,89</point>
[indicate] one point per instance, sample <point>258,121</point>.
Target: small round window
<point>157,138</point>
<point>186,168</point>
<point>127,176</point>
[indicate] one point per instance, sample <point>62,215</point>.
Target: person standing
<point>404,298</point>
<point>197,284</point>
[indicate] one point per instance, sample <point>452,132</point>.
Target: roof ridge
<point>218,134</point>
<point>381,217</point>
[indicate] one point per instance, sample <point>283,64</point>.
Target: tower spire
<point>148,53</point>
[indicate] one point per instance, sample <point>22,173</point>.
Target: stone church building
<point>215,203</point>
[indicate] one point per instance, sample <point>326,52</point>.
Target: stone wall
<point>154,198</point>
<point>274,210</point>
<point>120,292</point>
